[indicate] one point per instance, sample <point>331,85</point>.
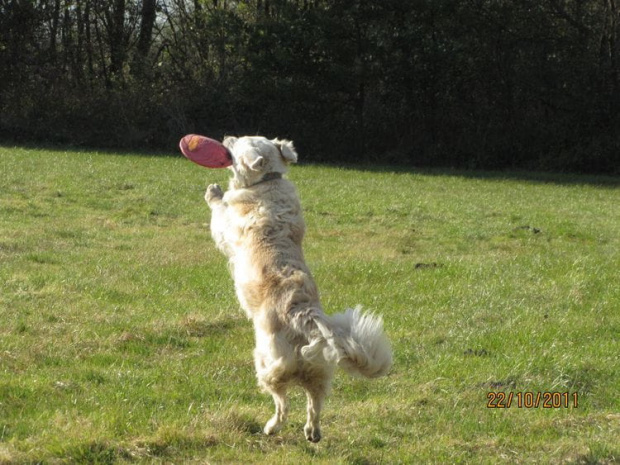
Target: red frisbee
<point>204,151</point>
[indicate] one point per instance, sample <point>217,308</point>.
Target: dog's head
<point>255,157</point>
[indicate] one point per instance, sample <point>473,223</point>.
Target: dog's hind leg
<point>316,391</point>
<point>277,421</point>
<point>272,359</point>
<point>312,428</point>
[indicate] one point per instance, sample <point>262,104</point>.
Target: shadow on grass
<point>598,180</point>
<point>173,151</point>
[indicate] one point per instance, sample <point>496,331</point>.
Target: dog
<point>258,225</point>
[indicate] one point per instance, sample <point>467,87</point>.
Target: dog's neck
<point>268,177</point>
<point>237,183</point>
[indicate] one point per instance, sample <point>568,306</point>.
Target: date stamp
<point>530,399</point>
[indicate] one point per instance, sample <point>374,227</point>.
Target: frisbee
<point>205,151</point>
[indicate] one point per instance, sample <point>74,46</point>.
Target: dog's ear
<point>229,141</point>
<point>287,150</point>
<point>257,164</point>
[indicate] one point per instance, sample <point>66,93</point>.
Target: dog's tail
<point>353,340</point>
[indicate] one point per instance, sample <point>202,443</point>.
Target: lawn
<point>121,340</point>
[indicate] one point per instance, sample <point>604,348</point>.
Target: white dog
<point>258,224</point>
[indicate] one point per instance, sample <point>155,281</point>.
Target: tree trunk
<point>117,38</point>
<point>54,30</point>
<point>147,21</point>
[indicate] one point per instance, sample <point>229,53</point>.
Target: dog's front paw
<point>214,193</point>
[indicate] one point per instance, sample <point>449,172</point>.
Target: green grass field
<point>121,340</point>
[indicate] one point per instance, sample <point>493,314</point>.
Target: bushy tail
<point>355,341</point>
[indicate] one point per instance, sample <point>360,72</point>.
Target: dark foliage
<point>528,84</point>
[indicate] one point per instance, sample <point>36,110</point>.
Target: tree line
<point>529,84</point>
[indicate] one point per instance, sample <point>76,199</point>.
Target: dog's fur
<point>258,224</point>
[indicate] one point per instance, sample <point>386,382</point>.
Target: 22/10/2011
<point>531,399</point>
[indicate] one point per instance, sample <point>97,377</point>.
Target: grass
<point>121,340</point>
